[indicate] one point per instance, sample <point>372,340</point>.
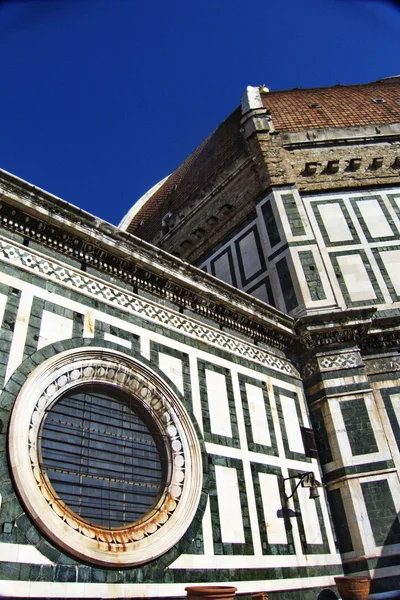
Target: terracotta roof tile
<point>337,106</point>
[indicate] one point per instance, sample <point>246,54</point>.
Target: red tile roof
<point>337,106</point>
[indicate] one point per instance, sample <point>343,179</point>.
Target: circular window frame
<point>166,523</point>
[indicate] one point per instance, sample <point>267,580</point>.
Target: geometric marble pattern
<point>68,277</point>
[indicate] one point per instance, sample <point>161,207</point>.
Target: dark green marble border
<point>253,446</point>
<point>358,426</point>
<point>380,465</point>
<point>286,283</point>
<point>209,436</point>
<point>390,411</point>
<point>311,275</point>
<point>340,279</point>
<point>221,547</point>
<point>382,513</point>
<point>278,392</point>
<point>356,208</point>
<point>293,215</point>
<point>270,223</point>
<point>377,252</point>
<point>263,266</point>
<point>265,281</point>
<point>321,436</point>
<point>268,548</point>
<point>324,232</point>
<point>339,517</point>
<point>227,251</point>
<point>307,547</point>
<point>35,320</point>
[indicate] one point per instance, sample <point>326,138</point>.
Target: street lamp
<point>306,480</point>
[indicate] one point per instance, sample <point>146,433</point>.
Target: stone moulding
<point>165,524</point>
<point>58,272</point>
<point>97,244</point>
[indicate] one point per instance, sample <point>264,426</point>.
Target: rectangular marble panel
<point>271,501</point>
<point>260,293</point>
<point>374,218</point>
<point>391,260</point>
<point>223,268</point>
<point>309,516</point>
<point>218,403</point>
<point>335,222</point>
<point>249,253</point>
<point>54,328</point>
<point>229,507</point>
<point>292,426</point>
<point>258,416</point>
<point>172,367</point>
<point>356,278</point>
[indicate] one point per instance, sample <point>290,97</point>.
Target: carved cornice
<point>53,223</point>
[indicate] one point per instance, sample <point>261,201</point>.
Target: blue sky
<point>100,99</point>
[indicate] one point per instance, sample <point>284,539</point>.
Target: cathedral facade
<point>209,393</point>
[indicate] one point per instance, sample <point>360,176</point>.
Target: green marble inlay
<point>286,282</point>
<point>293,215</point>
<point>209,436</point>
<point>340,520</point>
<point>311,274</point>
<point>282,512</point>
<point>270,224</point>
<point>221,547</point>
<point>379,299</point>
<point>381,511</point>
<point>252,445</point>
<point>358,426</point>
<point>321,436</point>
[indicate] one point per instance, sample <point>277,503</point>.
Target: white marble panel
<point>309,516</point>
<point>172,367</point>
<point>260,293</point>
<point>272,501</point>
<point>109,337</point>
<point>250,256</point>
<point>335,222</point>
<point>356,277</point>
<point>54,328</point>
<point>391,260</point>
<point>292,424</point>
<point>223,268</point>
<point>229,507</point>
<point>218,403</point>
<point>3,302</point>
<point>374,218</point>
<point>258,415</point>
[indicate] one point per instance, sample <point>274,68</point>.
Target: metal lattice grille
<point>103,456</point>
